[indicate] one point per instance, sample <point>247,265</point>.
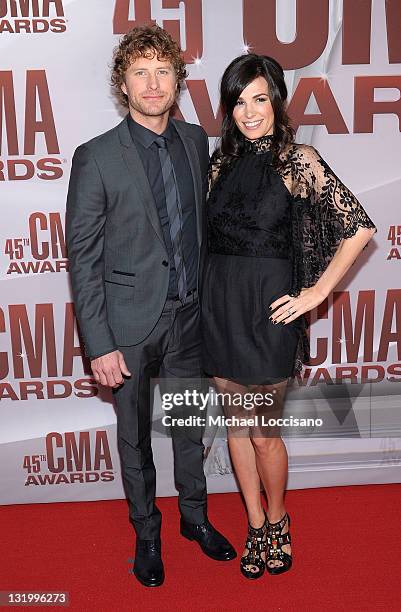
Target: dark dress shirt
<point>148,152</point>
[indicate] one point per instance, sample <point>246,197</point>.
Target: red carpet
<point>346,543</point>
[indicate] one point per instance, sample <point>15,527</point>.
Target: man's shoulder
<point>189,129</point>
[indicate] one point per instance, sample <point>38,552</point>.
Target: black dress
<point>272,229</point>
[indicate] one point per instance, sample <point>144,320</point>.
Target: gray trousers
<point>172,350</point>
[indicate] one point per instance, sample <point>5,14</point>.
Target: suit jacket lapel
<point>194,162</point>
<point>139,178</point>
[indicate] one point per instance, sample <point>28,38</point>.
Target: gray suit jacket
<point>118,260</point>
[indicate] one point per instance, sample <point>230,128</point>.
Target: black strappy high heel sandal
<point>276,539</point>
<point>256,544</point>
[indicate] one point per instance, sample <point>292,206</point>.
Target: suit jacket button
<point>165,263</point>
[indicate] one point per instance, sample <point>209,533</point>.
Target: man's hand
<point>108,369</point>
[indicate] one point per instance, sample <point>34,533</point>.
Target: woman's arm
<point>343,259</point>
<point>338,205</point>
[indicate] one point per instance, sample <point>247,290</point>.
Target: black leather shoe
<point>148,565</point>
<point>213,543</point>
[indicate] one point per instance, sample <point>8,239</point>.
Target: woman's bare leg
<point>272,458</point>
<point>243,458</point>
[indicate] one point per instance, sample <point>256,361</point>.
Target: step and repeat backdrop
<point>343,69</point>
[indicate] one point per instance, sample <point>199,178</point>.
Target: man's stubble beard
<point>147,111</point>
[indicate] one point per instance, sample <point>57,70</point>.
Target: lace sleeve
<point>332,195</point>
<point>325,212</point>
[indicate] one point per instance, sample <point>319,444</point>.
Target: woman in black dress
<point>282,231</point>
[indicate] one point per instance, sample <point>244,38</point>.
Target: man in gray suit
<point>134,230</point>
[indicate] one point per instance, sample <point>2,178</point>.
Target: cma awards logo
<point>39,363</point>
<point>21,158</point>
<point>32,16</point>
<point>43,249</point>
<point>361,343</point>
<point>71,458</point>
<point>394,237</point>
<point>259,34</point>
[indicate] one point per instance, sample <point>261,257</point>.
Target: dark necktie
<point>174,214</point>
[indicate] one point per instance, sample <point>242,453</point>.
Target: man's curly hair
<point>145,41</point>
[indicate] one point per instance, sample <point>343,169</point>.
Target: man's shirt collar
<point>145,136</point>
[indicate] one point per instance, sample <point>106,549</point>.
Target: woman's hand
<point>308,299</point>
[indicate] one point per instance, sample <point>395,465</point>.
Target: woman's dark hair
<point>238,75</point>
